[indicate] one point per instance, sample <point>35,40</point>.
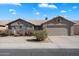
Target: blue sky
<point>39,11</point>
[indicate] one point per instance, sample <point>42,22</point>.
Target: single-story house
<point>58,26</point>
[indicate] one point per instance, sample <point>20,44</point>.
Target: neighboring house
<point>2,25</point>
<point>76,28</point>
<point>57,26</point>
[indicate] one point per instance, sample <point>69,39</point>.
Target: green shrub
<point>40,35</point>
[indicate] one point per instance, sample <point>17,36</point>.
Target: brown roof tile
<point>35,22</point>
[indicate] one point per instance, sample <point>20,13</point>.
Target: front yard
<point>10,42</point>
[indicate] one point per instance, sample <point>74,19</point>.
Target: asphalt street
<point>39,52</point>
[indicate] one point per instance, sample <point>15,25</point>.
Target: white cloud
<point>37,13</point>
<point>43,5</point>
<point>75,7</point>
<point>45,15</point>
<point>16,4</point>
<point>63,11</point>
<point>47,5</point>
<point>34,9</point>
<point>12,11</point>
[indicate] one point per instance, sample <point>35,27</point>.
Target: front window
<point>20,27</point>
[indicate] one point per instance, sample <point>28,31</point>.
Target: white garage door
<point>57,31</point>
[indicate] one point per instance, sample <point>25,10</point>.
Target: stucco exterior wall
<point>72,30</point>
<point>25,26</point>
<point>76,29</point>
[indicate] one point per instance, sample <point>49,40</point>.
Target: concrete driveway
<point>65,41</point>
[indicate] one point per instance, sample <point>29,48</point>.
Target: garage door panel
<point>57,31</point>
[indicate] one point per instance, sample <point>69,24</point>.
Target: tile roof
<point>35,22</point>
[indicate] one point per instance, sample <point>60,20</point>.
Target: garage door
<point>57,31</point>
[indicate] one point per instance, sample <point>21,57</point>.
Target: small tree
<point>40,35</point>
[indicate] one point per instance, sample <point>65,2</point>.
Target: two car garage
<point>57,30</point>
<point>59,26</point>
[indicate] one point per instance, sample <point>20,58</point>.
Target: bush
<point>29,33</point>
<point>40,35</point>
<point>3,33</point>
